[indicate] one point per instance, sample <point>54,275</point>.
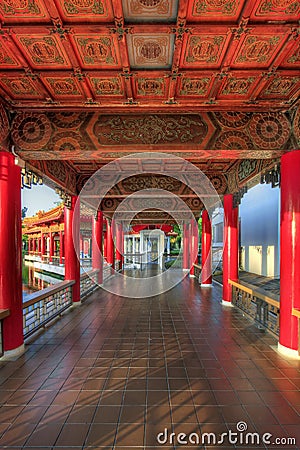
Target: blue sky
<point>38,198</point>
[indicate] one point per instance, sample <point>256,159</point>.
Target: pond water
<point>33,281</point>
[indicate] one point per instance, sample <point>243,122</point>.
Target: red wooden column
<point>72,265</point>
<point>105,242</point>
<point>231,247</point>
<point>122,246</point>
<point>289,252</point>
<point>97,244</point>
<point>119,236</point>
<point>81,246</point>
<point>186,237</point>
<point>206,259</point>
<point>51,246</point>
<point>61,247</point>
<point>109,244</point>
<point>193,246</point>
<point>42,245</point>
<point>11,254</point>
<point>34,245</point>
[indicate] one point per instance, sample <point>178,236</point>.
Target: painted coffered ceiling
<point>150,55</point>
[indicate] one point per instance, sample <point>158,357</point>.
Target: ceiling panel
<point>280,10</point>
<point>205,49</point>
<point>98,51</point>
<point>14,11</point>
<point>282,85</point>
<point>150,85</point>
<point>106,85</point>
<point>43,50</point>
<point>238,85</point>
<point>156,11</point>
<point>196,85</point>
<point>80,10</point>
<point>211,10</point>
<point>148,51</point>
<point>20,87</point>
<point>258,48</point>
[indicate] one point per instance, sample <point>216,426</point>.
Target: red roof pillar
<point>72,266</point>
<point>206,257</point>
<point>11,254</point>
<point>186,238</point>
<point>109,243</point>
<point>97,244</point>
<point>231,247</point>
<point>289,252</point>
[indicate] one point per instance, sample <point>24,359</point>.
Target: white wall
<point>259,220</point>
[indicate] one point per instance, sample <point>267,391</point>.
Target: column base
<point>13,354</point>
<point>289,352</point>
<point>205,285</point>
<point>226,303</point>
<point>77,303</point>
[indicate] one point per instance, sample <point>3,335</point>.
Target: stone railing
<point>197,271</point>
<point>107,271</point>
<point>88,283</point>
<point>43,306</point>
<point>263,309</point>
<point>117,265</point>
<point>3,314</point>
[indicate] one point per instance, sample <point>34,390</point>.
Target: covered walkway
<point>115,372</point>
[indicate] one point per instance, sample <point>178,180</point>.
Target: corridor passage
<point>114,372</point>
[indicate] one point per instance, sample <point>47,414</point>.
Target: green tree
<point>24,212</point>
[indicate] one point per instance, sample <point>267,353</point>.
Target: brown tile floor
<point>115,372</point>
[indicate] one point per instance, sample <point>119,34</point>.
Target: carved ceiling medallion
<point>269,131</point>
<point>31,131</point>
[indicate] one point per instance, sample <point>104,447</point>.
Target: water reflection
<point>33,280</point>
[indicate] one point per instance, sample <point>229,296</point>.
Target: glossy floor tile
<point>173,371</point>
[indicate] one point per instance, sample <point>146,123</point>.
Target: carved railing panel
<point>45,305</point>
<point>3,314</point>
<point>264,310</point>
<point>88,283</point>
